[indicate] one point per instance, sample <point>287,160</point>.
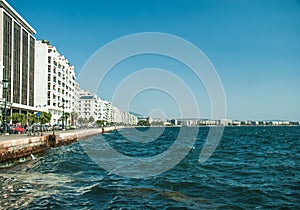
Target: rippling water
<point>252,167</point>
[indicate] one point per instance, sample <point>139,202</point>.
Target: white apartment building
<point>89,107</point>
<point>55,83</point>
<point>92,107</point>
<point>123,118</point>
<point>106,111</point>
<point>17,55</point>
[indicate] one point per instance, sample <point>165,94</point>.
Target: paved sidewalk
<point>18,136</point>
<point>22,136</point>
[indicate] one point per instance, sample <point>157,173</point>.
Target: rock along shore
<point>20,147</point>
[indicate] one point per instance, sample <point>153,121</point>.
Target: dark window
<point>7,51</point>
<point>24,67</point>
<point>16,66</point>
<point>31,71</point>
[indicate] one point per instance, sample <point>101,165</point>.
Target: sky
<point>253,45</point>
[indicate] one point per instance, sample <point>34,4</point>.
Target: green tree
<point>45,117</point>
<point>74,117</point>
<point>91,119</point>
<point>80,120</point>
<point>17,118</point>
<point>85,121</point>
<point>100,122</point>
<point>143,123</point>
<point>32,118</point>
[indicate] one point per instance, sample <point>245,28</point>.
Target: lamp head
<point>5,83</point>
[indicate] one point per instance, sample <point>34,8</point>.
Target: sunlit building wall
<point>17,60</point>
<point>55,83</point>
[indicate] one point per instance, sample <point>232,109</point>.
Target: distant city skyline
<point>254,46</point>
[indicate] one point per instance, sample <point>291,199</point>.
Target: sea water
<point>252,167</point>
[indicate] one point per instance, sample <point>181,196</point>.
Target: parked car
<point>45,128</point>
<point>8,129</point>
<point>18,129</point>
<point>32,128</point>
<point>57,127</point>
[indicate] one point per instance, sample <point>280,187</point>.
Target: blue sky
<point>254,46</point>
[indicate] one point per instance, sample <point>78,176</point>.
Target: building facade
<point>17,61</point>
<point>55,84</point>
<point>120,117</point>
<point>93,107</point>
<point>89,108</point>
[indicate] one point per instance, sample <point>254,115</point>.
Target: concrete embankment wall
<point>12,149</point>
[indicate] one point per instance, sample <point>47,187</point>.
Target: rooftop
<point>87,97</point>
<point>15,15</point>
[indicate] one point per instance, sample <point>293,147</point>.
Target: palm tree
<point>74,116</point>
<point>91,119</point>
<point>80,120</point>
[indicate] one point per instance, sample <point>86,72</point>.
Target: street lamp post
<point>5,83</point>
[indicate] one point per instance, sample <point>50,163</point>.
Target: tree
<point>100,122</point>
<point>74,116</point>
<point>32,118</point>
<point>17,118</point>
<point>45,42</point>
<point>91,119</point>
<point>45,117</point>
<point>143,123</point>
<point>85,121</point>
<point>80,120</point>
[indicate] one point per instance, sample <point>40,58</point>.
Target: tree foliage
<point>101,122</point>
<point>143,123</point>
<point>74,117</point>
<point>44,118</point>
<point>80,120</point>
<point>17,118</point>
<point>91,119</point>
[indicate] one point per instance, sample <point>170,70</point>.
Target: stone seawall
<point>11,149</point>
<point>67,138</point>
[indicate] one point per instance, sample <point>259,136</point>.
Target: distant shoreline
<point>179,126</point>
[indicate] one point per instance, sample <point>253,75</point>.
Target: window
<point>16,66</point>
<point>31,70</point>
<point>24,67</point>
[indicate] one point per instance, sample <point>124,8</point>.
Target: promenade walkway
<point>23,136</point>
<point>45,133</point>
<point>21,145</point>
